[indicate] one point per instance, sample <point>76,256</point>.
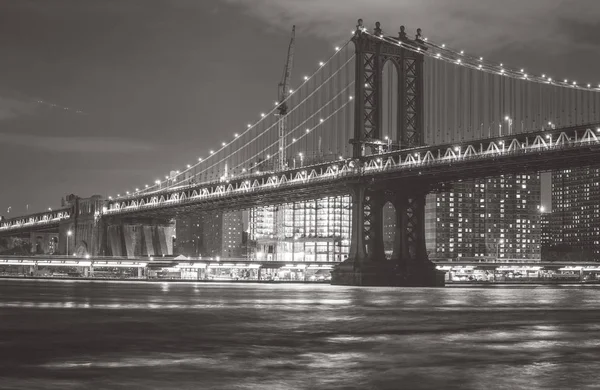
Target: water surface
<point>126,335</point>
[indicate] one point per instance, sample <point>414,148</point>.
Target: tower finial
<point>419,36</point>
<point>402,33</point>
<point>377,30</point>
<point>359,27</point>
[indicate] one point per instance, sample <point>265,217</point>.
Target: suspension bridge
<point>387,118</point>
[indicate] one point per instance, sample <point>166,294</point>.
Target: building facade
<point>212,234</point>
<point>317,230</point>
<point>546,240</point>
<point>576,210</point>
<point>494,217</point>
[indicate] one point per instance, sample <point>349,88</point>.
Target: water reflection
<point>56,335</point>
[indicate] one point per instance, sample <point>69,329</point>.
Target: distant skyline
<point>100,97</point>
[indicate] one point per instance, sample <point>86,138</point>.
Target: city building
<point>576,210</point>
<point>188,236</point>
<point>546,233</point>
<point>494,217</point>
<point>227,229</point>
<point>212,234</point>
<point>317,230</point>
<point>389,228</point>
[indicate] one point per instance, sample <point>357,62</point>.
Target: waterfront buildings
<point>546,232</point>
<point>575,220</point>
<point>494,217</point>
<point>212,234</point>
<point>317,230</point>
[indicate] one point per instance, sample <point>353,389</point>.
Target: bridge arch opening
<point>390,103</point>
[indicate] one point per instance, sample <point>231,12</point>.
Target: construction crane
<point>284,93</point>
<point>282,111</point>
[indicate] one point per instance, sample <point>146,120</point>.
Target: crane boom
<point>284,85</point>
<point>284,93</point>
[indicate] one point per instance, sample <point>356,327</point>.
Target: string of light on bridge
<point>294,140</point>
<point>158,183</point>
<point>458,57</point>
<point>290,131</point>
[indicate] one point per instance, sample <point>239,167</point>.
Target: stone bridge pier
<point>367,264</point>
<point>134,237</point>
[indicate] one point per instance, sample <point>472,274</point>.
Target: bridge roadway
<point>429,165</point>
<point>423,166</point>
<point>47,220</point>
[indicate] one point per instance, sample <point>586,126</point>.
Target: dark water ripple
<point>98,335</point>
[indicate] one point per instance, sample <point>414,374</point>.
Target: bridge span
<point>402,117</point>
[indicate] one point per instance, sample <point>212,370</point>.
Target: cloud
<point>10,108</point>
<point>76,144</point>
<point>484,25</point>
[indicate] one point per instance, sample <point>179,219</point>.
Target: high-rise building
<point>576,210</point>
<point>188,236</point>
<point>212,234</point>
<point>317,230</point>
<point>389,228</point>
<point>546,234</point>
<point>494,217</point>
<point>232,229</point>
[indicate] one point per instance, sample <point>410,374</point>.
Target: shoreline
<point>132,280</point>
<point>448,285</point>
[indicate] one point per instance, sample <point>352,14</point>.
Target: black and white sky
<point>101,96</point>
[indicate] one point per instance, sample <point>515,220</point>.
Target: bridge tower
<point>367,264</point>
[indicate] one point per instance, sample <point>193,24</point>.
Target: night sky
<point>98,97</point>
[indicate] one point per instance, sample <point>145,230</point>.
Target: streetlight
<point>69,233</point>
<point>510,122</point>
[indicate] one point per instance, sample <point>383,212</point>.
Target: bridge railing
<point>45,218</point>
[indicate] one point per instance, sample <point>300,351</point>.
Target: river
<point>57,334</point>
